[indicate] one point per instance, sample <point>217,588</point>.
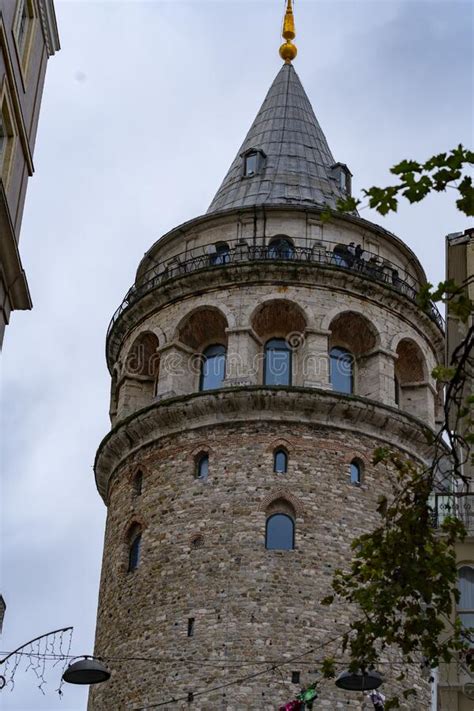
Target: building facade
<point>259,358</point>
<point>28,37</point>
<point>455,683</point>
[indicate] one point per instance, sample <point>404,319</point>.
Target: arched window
<point>202,466</point>
<point>134,551</point>
<point>342,255</point>
<point>342,370</point>
<point>277,367</point>
<point>280,461</point>
<point>280,532</point>
<point>281,248</point>
<point>465,607</point>
<point>213,368</point>
<point>355,471</point>
<point>138,483</point>
<point>222,253</point>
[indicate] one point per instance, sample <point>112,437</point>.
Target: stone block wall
<point>249,604</point>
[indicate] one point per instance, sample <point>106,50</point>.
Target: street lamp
<point>358,681</point>
<point>86,671</point>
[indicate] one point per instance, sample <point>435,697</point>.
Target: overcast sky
<point>144,108</point>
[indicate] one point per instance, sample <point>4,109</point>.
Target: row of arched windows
<point>280,466</point>
<point>280,325</point>
<point>278,366</point>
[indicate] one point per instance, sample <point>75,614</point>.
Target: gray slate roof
<point>298,164</point>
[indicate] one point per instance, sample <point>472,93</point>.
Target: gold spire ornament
<point>288,50</point>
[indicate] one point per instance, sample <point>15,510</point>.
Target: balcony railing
<point>460,506</point>
<point>368,265</point>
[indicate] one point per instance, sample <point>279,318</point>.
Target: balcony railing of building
<point>460,506</point>
<point>367,265</point>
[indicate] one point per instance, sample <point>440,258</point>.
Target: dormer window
<point>343,176</point>
<point>253,162</point>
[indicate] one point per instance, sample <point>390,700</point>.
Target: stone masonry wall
<point>250,604</point>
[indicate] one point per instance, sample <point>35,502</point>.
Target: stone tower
<point>257,361</point>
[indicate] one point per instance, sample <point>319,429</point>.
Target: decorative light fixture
<point>358,681</point>
<point>86,671</point>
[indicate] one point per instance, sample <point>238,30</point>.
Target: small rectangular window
<point>190,626</point>
<point>23,30</point>
<point>295,677</point>
<point>3,138</point>
<point>251,164</point>
<point>7,138</point>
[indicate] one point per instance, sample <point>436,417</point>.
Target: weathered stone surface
<point>203,552</point>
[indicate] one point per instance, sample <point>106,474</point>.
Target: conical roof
<point>296,165</point>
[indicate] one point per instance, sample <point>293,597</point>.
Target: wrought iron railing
<point>460,506</point>
<point>367,265</point>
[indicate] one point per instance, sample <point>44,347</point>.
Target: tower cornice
<point>229,406</point>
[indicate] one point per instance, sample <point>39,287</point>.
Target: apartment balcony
<point>460,506</point>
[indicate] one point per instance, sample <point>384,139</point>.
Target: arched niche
<point>353,348</point>
<point>280,324</point>
<point>138,385</point>
<point>413,392</point>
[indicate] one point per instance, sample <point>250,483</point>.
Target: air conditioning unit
<point>468,690</point>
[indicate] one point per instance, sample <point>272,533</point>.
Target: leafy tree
<point>403,576</point>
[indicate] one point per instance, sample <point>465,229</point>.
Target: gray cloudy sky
<point>144,109</point>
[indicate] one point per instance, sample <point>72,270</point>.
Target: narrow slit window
<point>355,471</point>
<point>138,483</point>
<point>295,677</point>
<point>134,553</point>
<point>280,461</point>
<point>202,467</point>
<point>190,626</point>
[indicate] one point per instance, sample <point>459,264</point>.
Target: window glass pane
<point>281,462</point>
<point>341,368</point>
<point>203,467</point>
<point>221,255</point>
<point>134,557</point>
<point>280,533</point>
<point>466,588</point>
<point>277,362</point>
<point>281,249</point>
<point>355,473</point>
<point>251,164</point>
<point>213,368</point>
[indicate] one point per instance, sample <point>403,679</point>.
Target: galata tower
<point>259,358</point>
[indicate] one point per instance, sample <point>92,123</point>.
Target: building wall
<point>22,75</point>
<point>456,686</point>
<point>248,603</point>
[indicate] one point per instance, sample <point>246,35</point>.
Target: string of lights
<point>39,652</point>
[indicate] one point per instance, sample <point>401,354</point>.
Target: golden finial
<point>288,50</point>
